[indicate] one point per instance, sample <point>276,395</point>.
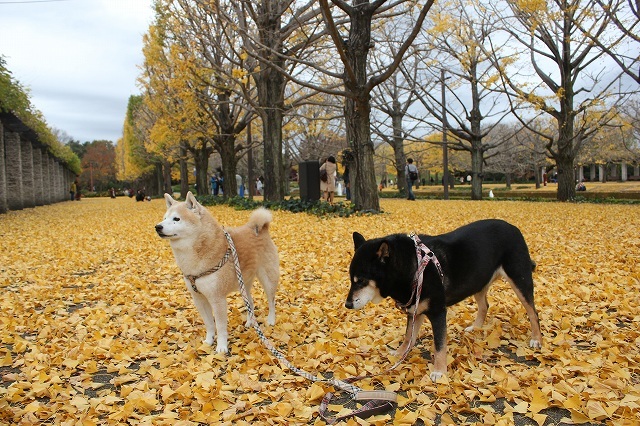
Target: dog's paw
<point>533,343</point>
<point>435,375</point>
<point>470,328</point>
<point>271,319</point>
<point>251,322</point>
<point>222,348</point>
<point>208,340</point>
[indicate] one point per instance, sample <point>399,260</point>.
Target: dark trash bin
<point>309,180</point>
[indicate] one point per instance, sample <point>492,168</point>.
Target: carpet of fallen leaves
<point>96,326</point>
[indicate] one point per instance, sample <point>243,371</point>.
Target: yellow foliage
<point>97,326</point>
<point>532,6</point>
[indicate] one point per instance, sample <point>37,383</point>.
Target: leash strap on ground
<point>378,401</point>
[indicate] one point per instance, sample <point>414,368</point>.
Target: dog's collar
<point>192,278</point>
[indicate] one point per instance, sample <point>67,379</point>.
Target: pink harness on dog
<point>423,261</point>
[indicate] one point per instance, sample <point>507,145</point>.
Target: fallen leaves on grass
<point>96,326</point>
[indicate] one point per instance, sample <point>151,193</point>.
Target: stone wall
<point>29,174</point>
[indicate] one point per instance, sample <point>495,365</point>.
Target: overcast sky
<point>79,58</point>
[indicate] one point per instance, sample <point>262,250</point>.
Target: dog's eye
<point>360,282</point>
<point>176,219</point>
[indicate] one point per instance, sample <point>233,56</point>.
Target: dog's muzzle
<point>159,231</point>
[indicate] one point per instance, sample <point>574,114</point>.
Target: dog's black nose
<point>348,304</point>
<point>158,228</point>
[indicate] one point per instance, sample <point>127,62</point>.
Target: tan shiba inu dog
<point>204,257</point>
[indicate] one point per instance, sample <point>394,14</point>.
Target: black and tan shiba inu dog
<point>471,257</point>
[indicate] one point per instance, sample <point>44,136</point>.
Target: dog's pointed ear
<point>192,203</point>
<point>358,240</point>
<point>169,200</point>
<point>383,252</point>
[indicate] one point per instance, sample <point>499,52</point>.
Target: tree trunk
<point>476,171</point>
<point>271,85</point>
<point>475,121</point>
<point>566,185</point>
<point>401,160</point>
<point>201,158</point>
<point>158,188</point>
<point>272,131</point>
<point>398,149</point>
<point>364,193</point>
<point>565,155</point>
<point>184,171</point>
<point>227,152</point>
<point>250,166</point>
<point>166,173</point>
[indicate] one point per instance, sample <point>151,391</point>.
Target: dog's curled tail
<point>260,219</point>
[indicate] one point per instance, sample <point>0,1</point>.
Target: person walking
<point>411,173</point>
<point>347,182</point>
<point>259,185</point>
<point>213,181</point>
<point>78,193</point>
<point>73,188</point>
<point>328,187</point>
<point>239,187</point>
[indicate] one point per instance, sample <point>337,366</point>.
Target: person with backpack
<point>411,173</point>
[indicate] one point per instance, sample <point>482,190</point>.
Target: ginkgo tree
<point>135,163</point>
<point>353,42</point>
<point>564,77</point>
<point>223,105</point>
<point>315,130</point>
<point>622,42</point>
<point>457,54</point>
<point>195,90</point>
<point>163,116</point>
<point>393,119</point>
<point>275,36</point>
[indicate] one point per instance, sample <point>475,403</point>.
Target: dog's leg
<point>517,272</point>
<point>219,307</point>
<point>204,308</point>
<point>251,319</point>
<point>269,283</point>
<point>527,302</point>
<point>439,326</point>
<point>483,307</point>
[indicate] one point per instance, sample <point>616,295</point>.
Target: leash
<point>378,401</point>
<point>424,256</point>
